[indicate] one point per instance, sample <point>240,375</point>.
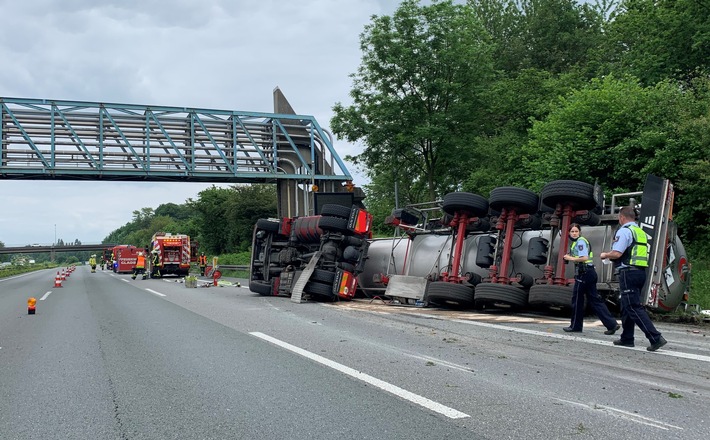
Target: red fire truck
<point>125,257</point>
<point>170,254</point>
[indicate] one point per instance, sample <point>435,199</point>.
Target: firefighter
<point>155,269</point>
<point>139,268</point>
<point>202,260</point>
<point>92,263</point>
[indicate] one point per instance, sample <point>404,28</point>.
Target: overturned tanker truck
<point>318,256</point>
<point>506,251</point>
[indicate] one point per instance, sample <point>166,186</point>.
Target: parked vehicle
<point>170,254</point>
<point>125,257</point>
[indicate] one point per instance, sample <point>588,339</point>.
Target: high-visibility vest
<point>203,260</point>
<point>140,262</point>
<point>637,253</point>
<point>589,246</point>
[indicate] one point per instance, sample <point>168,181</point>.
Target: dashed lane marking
<point>153,291</point>
<point>385,386</point>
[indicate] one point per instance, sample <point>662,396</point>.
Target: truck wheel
<point>321,291</point>
<point>449,294</point>
<point>522,200</point>
<point>546,296</point>
<point>588,219</point>
<point>323,276</point>
<point>500,295</point>
<point>532,222</point>
<point>267,225</point>
<point>331,210</point>
<point>333,224</point>
<point>578,194</point>
<point>471,204</point>
<point>263,288</point>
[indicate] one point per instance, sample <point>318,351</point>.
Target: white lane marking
<point>385,386</point>
<point>16,276</point>
<point>125,280</point>
<point>616,412</point>
<point>695,357</point>
<point>153,291</point>
<point>45,296</point>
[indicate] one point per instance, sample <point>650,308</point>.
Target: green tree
<point>551,35</point>
<point>660,39</point>
<point>416,95</point>
<point>227,215</point>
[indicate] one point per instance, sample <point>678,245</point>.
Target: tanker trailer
<point>403,267</point>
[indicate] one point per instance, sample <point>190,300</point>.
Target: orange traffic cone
<point>58,280</point>
<point>31,302</point>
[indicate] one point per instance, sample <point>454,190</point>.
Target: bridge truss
<point>74,140</point>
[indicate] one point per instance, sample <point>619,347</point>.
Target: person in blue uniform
<point>629,253</point>
<point>585,284</point>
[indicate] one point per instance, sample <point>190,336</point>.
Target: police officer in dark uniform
<point>585,284</point>
<point>629,253</point>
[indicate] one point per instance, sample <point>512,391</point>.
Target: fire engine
<point>170,254</point>
<point>315,256</point>
<point>125,257</point>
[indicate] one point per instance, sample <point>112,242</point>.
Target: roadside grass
<point>700,283</point>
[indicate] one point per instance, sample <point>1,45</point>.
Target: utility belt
<point>629,268</point>
<point>582,268</point>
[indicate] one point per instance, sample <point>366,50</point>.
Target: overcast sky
<point>214,54</point>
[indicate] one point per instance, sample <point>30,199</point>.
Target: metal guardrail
<point>232,267</point>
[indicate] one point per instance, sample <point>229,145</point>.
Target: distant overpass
<point>53,249</point>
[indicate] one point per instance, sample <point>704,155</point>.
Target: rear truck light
<point>360,221</point>
<point>345,283</point>
<point>31,305</point>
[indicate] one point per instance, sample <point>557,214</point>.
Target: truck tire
<point>449,295</point>
<point>263,288</point>
<point>333,224</point>
<point>522,200</point>
<point>578,194</point>
<point>330,210</point>
<point>588,219</point>
<point>323,276</point>
<point>320,291</point>
<point>533,222</point>
<point>267,225</point>
<point>471,204</point>
<point>491,294</point>
<point>550,296</point>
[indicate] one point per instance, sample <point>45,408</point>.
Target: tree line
<point>221,220</point>
<point>488,93</point>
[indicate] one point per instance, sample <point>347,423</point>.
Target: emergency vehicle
<point>125,257</point>
<point>170,254</point>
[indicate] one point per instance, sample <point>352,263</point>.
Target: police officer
<point>629,253</point>
<point>585,284</point>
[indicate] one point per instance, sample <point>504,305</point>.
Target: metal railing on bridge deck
<point>45,139</point>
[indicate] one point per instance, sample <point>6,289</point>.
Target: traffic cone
<point>63,276</point>
<point>58,280</point>
<point>31,302</point>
